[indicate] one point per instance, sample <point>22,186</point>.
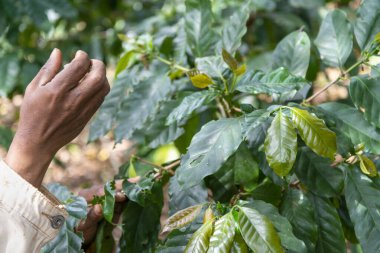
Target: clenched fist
<point>57,105</point>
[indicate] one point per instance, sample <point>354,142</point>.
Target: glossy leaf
<point>363,206</point>
<point>275,82</point>
<point>189,104</point>
<point>314,133</point>
<point>364,93</point>
<point>67,240</point>
<point>198,22</point>
<point>124,61</point>
<point>367,166</point>
<point>199,80</point>
<point>281,145</point>
<point>282,226</point>
<point>109,200</point>
<point>268,192</point>
<point>330,231</point>
<point>255,126</point>
<point>182,218</point>
<point>317,174</point>
<point>368,23</point>
<point>138,192</point>
<point>138,105</point>
<point>334,40</point>
<point>293,53</point>
<point>209,150</point>
<point>222,239</point>
<point>352,124</point>
<point>235,28</point>
<point>258,231</point>
<point>213,66</point>
<point>238,244</point>
<point>199,242</point>
<point>298,209</point>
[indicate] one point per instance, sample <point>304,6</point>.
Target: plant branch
<point>142,160</point>
<point>341,76</point>
<point>172,64</point>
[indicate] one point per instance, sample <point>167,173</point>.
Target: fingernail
<point>53,53</point>
<point>78,53</point>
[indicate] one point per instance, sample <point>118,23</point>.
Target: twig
<point>147,162</point>
<point>172,64</point>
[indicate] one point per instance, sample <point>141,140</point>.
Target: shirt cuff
<point>39,208</point>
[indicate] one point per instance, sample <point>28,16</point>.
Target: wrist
<point>30,162</point>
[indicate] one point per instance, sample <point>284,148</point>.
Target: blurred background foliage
<point>30,29</point>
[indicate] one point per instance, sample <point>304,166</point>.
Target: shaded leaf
<point>9,71</point>
<point>362,201</point>
<point>209,150</point>
<point>352,124</point>
<point>109,200</point>
<point>238,244</point>
<point>281,144</point>
<point>364,93</point>
<point>330,231</point>
<point>258,231</point>
<point>139,192</point>
<point>213,66</point>
<point>368,23</point>
<point>317,174</point>
<point>334,40</point>
<point>190,104</point>
<point>275,82</point>
<point>230,60</point>
<point>314,133</point>
<point>104,241</point>
<point>297,208</point>
<point>293,53</point>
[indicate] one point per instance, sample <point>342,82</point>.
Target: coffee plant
<point>262,167</point>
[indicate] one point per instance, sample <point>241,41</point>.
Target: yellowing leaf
<point>230,60</point>
<point>241,70</point>
<point>200,240</point>
<point>367,166</point>
<point>182,218</point>
<point>199,80</point>
<point>314,133</point>
<point>377,38</point>
<point>131,170</point>
<point>209,215</point>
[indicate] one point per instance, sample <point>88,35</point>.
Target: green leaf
<point>198,28</point>
<point>109,200</point>
<point>364,93</point>
<point>67,239</point>
<point>268,171</point>
<point>213,66</point>
<point>314,133</point>
<point>368,23</point>
<point>330,231</point>
<point>268,192</point>
<point>222,239</point>
<point>293,53</point>
<point>362,201</point>
<point>235,28</point>
<point>9,71</point>
<point>367,166</point>
<point>182,218</point>
<point>209,150</point>
<point>105,242</point>
<point>230,60</point>
<point>138,105</point>
<point>141,224</point>
<point>334,40</point>
<point>275,82</point>
<point>352,124</point>
<point>282,225</point>
<point>258,231</point>
<point>199,242</point>
<point>317,174</point>
<point>307,4</point>
<point>189,104</point>
<point>281,145</point>
<point>6,137</point>
<point>124,62</point>
<point>183,198</point>
<point>298,209</point>
<point>255,127</point>
<point>246,169</point>
<point>108,111</point>
<point>238,244</point>
<point>138,192</point>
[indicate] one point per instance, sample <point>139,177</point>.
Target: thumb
<point>50,69</point>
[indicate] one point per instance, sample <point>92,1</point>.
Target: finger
<point>95,214</point>
<point>93,82</point>
<point>120,197</point>
<point>49,70</point>
<point>73,72</point>
<point>118,210</point>
<point>89,193</point>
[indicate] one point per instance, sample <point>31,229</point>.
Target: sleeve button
<point>57,221</point>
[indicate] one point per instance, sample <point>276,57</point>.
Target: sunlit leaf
<point>367,166</point>
<point>199,242</point>
<point>182,218</point>
<point>222,239</point>
<point>199,80</point>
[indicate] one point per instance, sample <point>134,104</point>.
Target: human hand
<point>57,105</point>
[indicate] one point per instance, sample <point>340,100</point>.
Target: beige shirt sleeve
<point>29,218</point>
